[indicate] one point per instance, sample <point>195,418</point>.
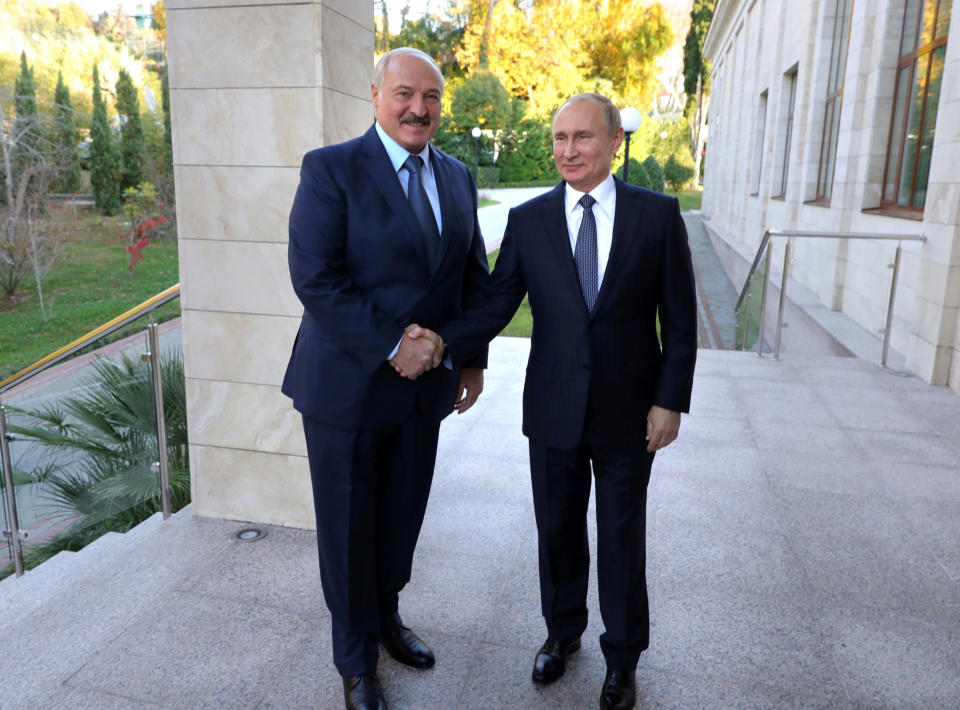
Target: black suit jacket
<point>610,359</point>
<point>359,266</point>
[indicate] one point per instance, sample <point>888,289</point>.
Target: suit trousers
<point>370,490</point>
<point>561,495</point>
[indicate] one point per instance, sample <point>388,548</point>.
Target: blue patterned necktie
<point>421,207</point>
<point>585,253</point>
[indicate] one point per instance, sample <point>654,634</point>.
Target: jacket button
<point>586,366</point>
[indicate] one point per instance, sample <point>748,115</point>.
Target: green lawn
<point>88,286</point>
<point>689,199</point>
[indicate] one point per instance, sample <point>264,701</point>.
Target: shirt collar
<point>605,194</point>
<point>398,154</point>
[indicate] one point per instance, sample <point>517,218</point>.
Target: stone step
<point>13,585</point>
<point>97,563</point>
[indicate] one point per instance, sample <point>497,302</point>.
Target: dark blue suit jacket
<point>610,359</point>
<point>359,266</point>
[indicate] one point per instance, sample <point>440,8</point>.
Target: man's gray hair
<point>380,70</point>
<point>611,115</point>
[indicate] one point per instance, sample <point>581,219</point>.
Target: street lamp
<point>663,140</point>
<point>476,153</point>
<point>630,120</point>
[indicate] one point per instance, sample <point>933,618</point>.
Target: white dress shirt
<point>604,209</point>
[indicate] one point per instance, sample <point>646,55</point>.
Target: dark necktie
<point>421,206</point>
<point>585,252</point>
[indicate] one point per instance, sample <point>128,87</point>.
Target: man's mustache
<point>416,120</point>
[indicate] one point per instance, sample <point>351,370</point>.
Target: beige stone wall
<point>849,276</point>
<point>253,86</point>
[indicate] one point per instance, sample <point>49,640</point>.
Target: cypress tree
<point>104,160</point>
<point>132,149</point>
<point>66,138</point>
<point>167,131</point>
<point>26,129</point>
<point>695,67</point>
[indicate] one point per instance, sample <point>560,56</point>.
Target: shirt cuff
<point>394,351</point>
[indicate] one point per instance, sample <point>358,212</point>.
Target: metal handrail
<point>148,306</point>
<point>766,245</point>
<point>152,355</point>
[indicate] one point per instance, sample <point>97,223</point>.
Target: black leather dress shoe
<point>363,692</point>
<point>551,660</point>
<point>619,691</point>
<point>406,647</point>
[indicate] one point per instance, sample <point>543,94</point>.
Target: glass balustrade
<point>748,317</point>
<point>84,452</point>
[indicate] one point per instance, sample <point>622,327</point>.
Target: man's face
<point>582,147</point>
<point>408,103</point>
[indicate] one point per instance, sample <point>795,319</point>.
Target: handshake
<point>420,350</point>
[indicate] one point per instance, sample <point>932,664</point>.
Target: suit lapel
<point>558,235</point>
<point>378,166</point>
<point>626,222</point>
<point>444,178</point>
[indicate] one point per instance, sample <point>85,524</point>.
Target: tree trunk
<point>699,124</point>
<point>486,32</point>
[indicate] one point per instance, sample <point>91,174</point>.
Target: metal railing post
<point>154,357</point>
<point>783,297</point>
<point>893,293</point>
<point>763,297</point>
<point>746,318</point>
<point>12,518</point>
<point>766,244</point>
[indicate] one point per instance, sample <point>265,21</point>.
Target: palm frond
<point>99,444</point>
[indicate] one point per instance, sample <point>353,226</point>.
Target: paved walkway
<point>493,218</point>
<point>803,553</point>
<point>716,296</point>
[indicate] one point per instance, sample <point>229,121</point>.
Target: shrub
<point>488,176</point>
<point>527,154</point>
<point>677,175</point>
<point>654,173</point>
<point>637,174</point>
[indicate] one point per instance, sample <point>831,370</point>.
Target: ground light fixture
<point>249,534</point>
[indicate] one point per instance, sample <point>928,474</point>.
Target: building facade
<point>844,116</point>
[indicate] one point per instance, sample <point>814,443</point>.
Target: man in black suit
<point>383,232</point>
<point>601,262</point>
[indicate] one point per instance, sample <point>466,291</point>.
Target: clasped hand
<point>420,350</point>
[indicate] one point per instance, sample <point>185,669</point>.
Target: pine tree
<point>67,139</point>
<point>104,160</point>
<point>132,150</point>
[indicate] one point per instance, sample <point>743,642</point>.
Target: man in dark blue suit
<point>602,261</point>
<point>383,232</point>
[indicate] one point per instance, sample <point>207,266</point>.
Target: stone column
<point>253,86</point>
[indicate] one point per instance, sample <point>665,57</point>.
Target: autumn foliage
<point>545,51</point>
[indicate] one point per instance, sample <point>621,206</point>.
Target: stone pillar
<point>253,86</point>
